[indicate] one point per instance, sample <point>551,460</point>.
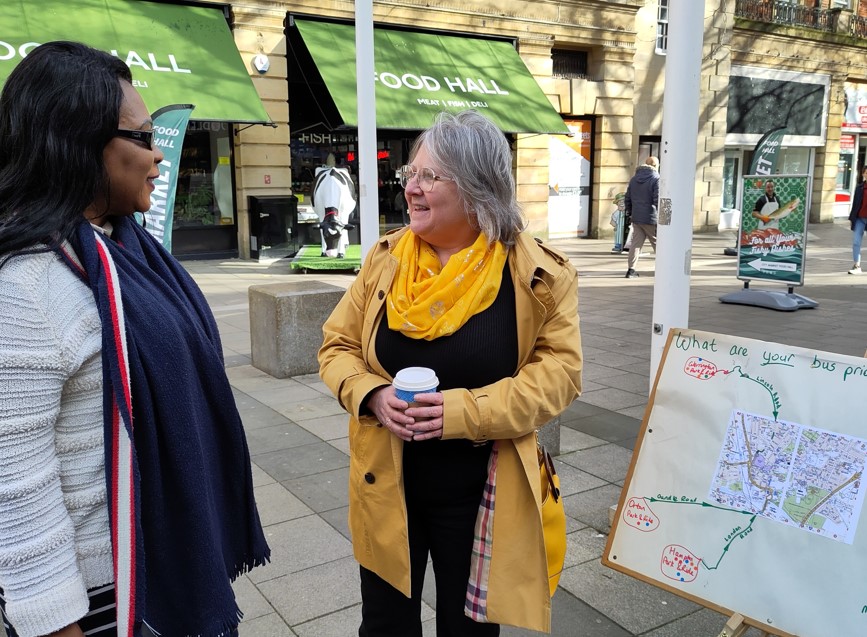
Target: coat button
<point>380,295</point>
<point>369,478</point>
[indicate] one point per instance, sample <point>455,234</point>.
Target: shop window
<point>205,194</point>
<point>662,27</point>
<point>569,64</point>
<point>794,161</point>
<point>311,150</point>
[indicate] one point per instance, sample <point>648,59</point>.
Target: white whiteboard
<point>745,491</point>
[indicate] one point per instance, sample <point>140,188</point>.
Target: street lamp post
<point>368,188</point>
<point>680,107</point>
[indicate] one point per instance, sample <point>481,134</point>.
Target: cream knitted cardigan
<point>54,530</point>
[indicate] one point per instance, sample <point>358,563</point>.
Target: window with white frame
<point>662,27</point>
<point>841,4</point>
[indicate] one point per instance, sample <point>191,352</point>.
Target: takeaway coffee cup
<point>414,380</point>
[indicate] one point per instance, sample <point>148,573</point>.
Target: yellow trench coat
<point>548,380</point>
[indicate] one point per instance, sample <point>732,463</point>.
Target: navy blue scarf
<point>192,524</point>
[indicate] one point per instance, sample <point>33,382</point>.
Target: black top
<point>482,351</point>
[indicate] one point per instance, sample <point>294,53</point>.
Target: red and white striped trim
<point>123,505</point>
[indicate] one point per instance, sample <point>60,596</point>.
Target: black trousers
<point>442,498</point>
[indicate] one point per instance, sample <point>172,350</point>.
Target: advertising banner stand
<point>764,162</point>
<point>170,127</point>
<point>772,240</point>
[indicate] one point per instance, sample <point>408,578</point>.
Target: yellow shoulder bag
<point>553,519</point>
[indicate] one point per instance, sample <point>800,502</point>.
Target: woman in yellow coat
<point>464,291</point>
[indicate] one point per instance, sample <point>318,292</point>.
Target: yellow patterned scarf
<point>428,300</point>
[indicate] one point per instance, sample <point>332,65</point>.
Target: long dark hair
<point>58,110</point>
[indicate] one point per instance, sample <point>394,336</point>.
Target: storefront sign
<point>417,75</point>
<point>855,113</point>
<point>170,126</point>
<point>771,239</point>
<point>177,54</point>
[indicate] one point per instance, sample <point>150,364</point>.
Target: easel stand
<point>771,299</point>
<point>736,627</point>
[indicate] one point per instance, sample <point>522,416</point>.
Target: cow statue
<point>334,200</point>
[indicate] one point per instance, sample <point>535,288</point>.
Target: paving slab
<point>277,504</point>
<point>315,591</point>
<point>322,491</point>
<point>304,460</point>
<point>608,462</point>
<point>299,545</point>
<point>635,605</point>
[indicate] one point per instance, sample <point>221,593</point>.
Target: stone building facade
<point>601,33</point>
<point>599,68</point>
<point>786,45</point>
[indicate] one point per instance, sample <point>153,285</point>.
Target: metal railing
<point>782,12</point>
<point>858,26</point>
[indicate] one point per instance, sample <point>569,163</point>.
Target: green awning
<point>178,54</point>
<point>420,74</point>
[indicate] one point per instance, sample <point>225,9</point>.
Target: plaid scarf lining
<point>476,605</point>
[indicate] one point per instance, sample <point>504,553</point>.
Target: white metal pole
<point>368,178</point>
<point>680,107</point>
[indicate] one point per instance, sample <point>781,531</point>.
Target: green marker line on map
<point>775,398</point>
<point>672,500</point>
<point>741,535</point>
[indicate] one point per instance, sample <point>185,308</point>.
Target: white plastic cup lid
<point>416,379</point>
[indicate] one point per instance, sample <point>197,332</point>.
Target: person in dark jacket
<point>858,221</point>
<point>642,196</point>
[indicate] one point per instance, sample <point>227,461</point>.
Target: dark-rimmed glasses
<point>146,137</point>
<point>426,177</point>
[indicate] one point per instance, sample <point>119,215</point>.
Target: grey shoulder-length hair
<point>471,150</point>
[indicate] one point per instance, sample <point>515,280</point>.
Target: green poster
<point>773,234</point>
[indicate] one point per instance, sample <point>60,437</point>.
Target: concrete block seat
<point>286,325</point>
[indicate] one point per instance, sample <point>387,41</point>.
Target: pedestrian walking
<point>858,222</point>
<point>642,197</point>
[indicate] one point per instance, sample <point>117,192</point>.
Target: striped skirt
<point>100,621</point>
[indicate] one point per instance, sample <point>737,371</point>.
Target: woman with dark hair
<point>454,476</point>
<point>126,501</point>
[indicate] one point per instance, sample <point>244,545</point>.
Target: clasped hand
<point>422,422</point>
